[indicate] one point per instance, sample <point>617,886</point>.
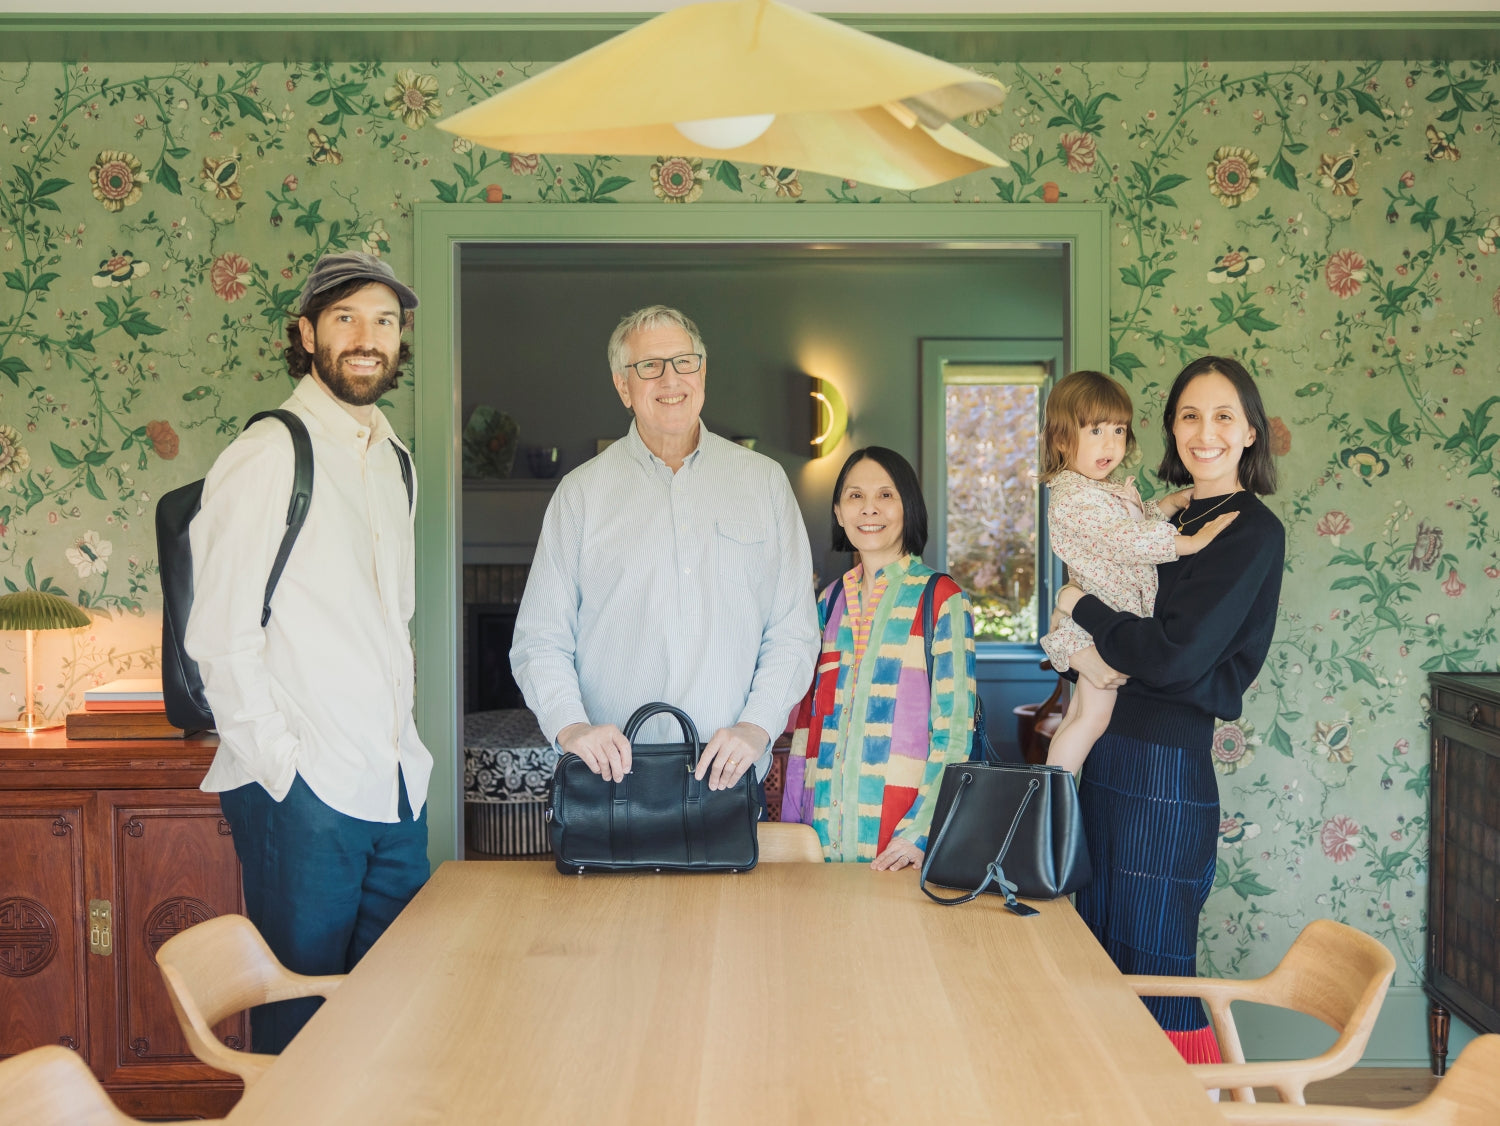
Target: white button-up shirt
<point>693,588</point>
<point>325,690</point>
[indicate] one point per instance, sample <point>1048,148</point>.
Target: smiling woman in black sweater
<point>1150,799</point>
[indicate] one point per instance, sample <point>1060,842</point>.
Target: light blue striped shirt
<point>693,588</point>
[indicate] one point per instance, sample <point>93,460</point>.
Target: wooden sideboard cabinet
<point>1463,899</point>
<point>107,849</point>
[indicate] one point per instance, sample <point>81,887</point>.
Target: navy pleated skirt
<point>1150,804</point>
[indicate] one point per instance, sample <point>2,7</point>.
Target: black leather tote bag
<point>1010,830</point>
<point>659,817</point>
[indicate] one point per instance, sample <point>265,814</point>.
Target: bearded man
<point>320,771</point>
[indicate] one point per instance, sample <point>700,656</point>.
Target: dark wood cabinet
<point>1463,901</point>
<point>107,849</point>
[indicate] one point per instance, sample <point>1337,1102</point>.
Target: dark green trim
<point>1160,37</point>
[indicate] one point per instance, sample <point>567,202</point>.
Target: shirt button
<point>687,570</point>
<point>359,433</point>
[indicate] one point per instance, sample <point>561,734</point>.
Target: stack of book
<point>123,709</point>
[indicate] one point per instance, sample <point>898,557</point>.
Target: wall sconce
<point>830,417</point>
<point>31,610</point>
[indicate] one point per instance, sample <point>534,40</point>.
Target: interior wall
<point>534,342</point>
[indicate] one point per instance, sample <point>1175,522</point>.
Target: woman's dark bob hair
<point>299,360</point>
<point>1257,466</point>
<point>904,477</point>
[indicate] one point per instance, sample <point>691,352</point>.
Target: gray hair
<point>652,316</point>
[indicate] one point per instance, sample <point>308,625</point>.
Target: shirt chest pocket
<point>744,554</point>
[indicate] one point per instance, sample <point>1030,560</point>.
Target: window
<point>980,476</point>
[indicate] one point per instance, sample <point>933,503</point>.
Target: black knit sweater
<point>1215,614</point>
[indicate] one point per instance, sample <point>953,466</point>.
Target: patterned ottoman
<point>507,771</point>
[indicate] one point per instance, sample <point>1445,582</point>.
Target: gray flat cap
<point>335,269</point>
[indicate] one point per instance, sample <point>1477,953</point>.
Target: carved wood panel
<point>42,948</point>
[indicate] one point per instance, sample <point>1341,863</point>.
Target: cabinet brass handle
<point>1473,714</point>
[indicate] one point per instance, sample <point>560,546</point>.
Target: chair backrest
<point>1469,1095</point>
<point>786,841</point>
<point>225,965</point>
<point>1339,975</point>
<point>52,1086</point>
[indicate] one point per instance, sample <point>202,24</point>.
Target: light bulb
<point>725,132</point>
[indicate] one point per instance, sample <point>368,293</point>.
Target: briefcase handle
<point>646,711</point>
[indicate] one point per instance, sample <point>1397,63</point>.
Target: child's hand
<point>1134,494</point>
<point>1173,503</point>
<point>1190,545</point>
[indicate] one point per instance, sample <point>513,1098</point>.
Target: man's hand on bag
<point>604,749</point>
<point>1092,668</point>
<point>731,752</point>
<point>898,854</point>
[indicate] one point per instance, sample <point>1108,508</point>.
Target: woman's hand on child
<point>1092,668</point>
<point>1190,545</point>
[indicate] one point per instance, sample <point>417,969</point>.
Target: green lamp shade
<point>32,609</point>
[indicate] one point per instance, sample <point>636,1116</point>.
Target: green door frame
<point>439,230</point>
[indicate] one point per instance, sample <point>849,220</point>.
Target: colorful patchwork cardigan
<point>870,743</point>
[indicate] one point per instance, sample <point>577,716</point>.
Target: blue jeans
<point>320,886</point>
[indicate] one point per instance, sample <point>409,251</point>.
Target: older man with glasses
<point>674,566</point>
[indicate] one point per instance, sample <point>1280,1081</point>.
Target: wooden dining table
<point>816,993</point>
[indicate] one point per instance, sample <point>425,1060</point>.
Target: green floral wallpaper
<point>1334,224</point>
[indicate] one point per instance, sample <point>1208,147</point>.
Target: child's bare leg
<point>1086,720</point>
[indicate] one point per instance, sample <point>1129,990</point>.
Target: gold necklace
<point>1207,511</point>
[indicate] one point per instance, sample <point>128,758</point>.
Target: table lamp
<point>32,610</point>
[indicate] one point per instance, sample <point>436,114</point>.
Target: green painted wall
<point>1333,223</point>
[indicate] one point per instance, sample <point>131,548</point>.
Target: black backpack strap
<point>302,485</point>
<point>929,620</point>
<point>407,477</point>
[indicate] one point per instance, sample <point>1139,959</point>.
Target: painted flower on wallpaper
<point>784,180</point>
<point>411,97</point>
<point>1428,548</point>
<point>377,240</point>
<point>1440,145</point>
<point>1366,463</point>
<point>119,269</point>
<point>221,176</point>
<point>1281,437</point>
<point>1021,142</point>
<point>229,277</point>
<point>1234,746</point>
<point>1490,235</point>
<point>89,555</point>
<point>1335,525</point>
<point>494,193</point>
<point>14,459</point>
<point>1080,149</point>
<point>523,163</point>
<point>1339,836</point>
<point>1346,272</point>
<point>1336,172</point>
<point>163,439</point>
<point>1237,829</point>
<point>1453,586</point>
<point>117,179</point>
<point>1234,175</point>
<point>321,149</point>
<point>677,179</point>
<point>1332,740</point>
<point>1495,302</point>
<point>1235,264</point>
<point>980,116</point>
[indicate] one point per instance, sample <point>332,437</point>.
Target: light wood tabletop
<point>816,993</point>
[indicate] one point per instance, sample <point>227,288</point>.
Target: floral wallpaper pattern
<point>1333,224</point>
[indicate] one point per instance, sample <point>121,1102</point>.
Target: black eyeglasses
<point>685,364</point>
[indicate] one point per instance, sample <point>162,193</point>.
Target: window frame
<point>935,353</point>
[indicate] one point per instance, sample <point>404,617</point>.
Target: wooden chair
<point>1035,723</point>
<point>52,1086</point>
<point>1332,972</point>
<point>783,842</point>
<point>1469,1095</point>
<point>221,967</point>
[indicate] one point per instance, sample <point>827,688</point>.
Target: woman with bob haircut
<point>1149,795</point>
<point>873,734</point>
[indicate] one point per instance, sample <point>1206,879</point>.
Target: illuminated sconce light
<point>830,417</point>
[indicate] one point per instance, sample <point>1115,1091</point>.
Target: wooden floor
<point>1368,1087</point>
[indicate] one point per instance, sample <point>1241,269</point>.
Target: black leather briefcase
<point>659,817</point>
